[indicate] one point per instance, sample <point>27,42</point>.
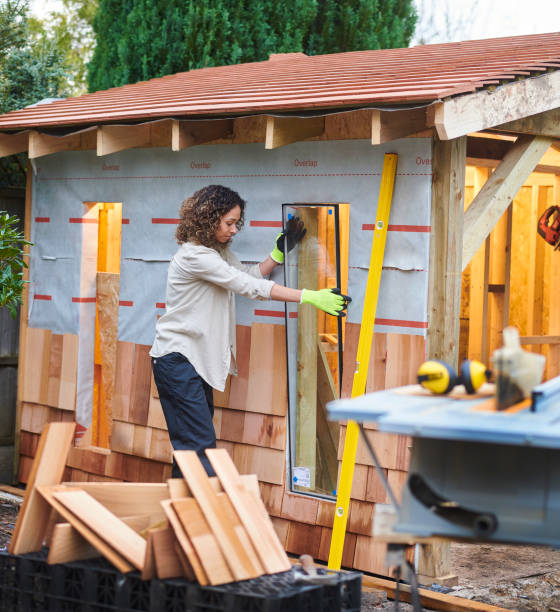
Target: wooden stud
<point>191,133</point>
<point>390,125</point>
<point>444,298</point>
<point>282,131</point>
<point>11,144</point>
<point>48,466</point>
<point>257,524</point>
<point>228,540</point>
<point>498,192</point>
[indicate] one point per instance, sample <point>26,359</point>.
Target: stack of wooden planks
<point>210,530</point>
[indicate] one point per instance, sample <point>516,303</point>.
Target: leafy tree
<point>142,39</point>
<point>12,242</point>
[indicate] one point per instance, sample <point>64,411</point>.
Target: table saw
<point>475,472</point>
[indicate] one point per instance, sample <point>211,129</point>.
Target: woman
<point>194,348</point>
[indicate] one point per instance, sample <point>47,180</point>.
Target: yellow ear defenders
<point>439,377</point>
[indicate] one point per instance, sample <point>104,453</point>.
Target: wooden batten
<point>498,192</point>
<point>45,144</point>
<point>190,133</point>
<point>390,125</point>
<point>10,144</point>
<point>463,115</point>
<point>282,131</point>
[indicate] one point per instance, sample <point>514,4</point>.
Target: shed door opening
<point>314,345</point>
<point>106,318</point>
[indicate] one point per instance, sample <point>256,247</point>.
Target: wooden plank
<point>113,138</point>
<point>11,144</point>
<point>48,492</point>
<point>258,526</point>
<point>149,567</point>
<point>429,599</point>
<point>303,539</point>
<point>221,398</point>
<point>141,381</point>
<point>55,367</point>
<point>351,338</point>
<point>475,112</point>
<point>123,381</point>
<point>37,357</point>
<point>68,372</point>
<point>444,293</point>
<point>498,192</point>
<point>228,540</point>
<point>390,125</point>
<point>238,390</point>
<point>190,561</point>
<point>307,334</point>
<point>48,467</point>
<point>264,430</point>
<point>268,464</point>
<point>67,545</point>
<point>281,131</point>
<point>167,561</point>
<point>105,524</point>
<point>125,498</point>
<point>232,425</point>
<point>191,133</point>
<point>267,384</point>
<point>204,542</point>
<point>122,438</point>
<point>160,446</point>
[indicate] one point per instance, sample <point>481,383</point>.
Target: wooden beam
<point>444,299</point>
<point>282,131</point>
<point>45,144</point>
<point>485,109</point>
<point>498,192</point>
<point>541,124</point>
<point>113,138</point>
<point>190,133</point>
<point>10,144</point>
<point>390,125</point>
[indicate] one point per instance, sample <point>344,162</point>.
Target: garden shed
<point>475,126</point>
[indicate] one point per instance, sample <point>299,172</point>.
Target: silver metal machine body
<point>474,474</point>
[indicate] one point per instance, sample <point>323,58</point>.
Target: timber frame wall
<point>250,420</point>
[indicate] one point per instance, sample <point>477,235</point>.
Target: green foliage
<point>138,40</point>
<point>12,242</point>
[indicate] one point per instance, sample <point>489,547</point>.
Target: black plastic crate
<point>29,584</point>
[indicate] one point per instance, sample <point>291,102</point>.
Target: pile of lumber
<point>212,530</point>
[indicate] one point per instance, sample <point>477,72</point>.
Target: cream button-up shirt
<point>199,320</point>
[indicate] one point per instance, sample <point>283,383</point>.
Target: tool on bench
<point>439,377</point>
<point>309,574</point>
<point>549,226</point>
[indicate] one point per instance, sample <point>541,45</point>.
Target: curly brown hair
<point>200,215</point>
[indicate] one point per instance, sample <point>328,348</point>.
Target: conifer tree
<point>142,39</point>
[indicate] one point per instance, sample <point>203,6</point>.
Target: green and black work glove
<point>330,300</point>
<point>287,240</point>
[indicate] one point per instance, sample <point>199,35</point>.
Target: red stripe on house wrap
<point>401,228</point>
<point>160,220</point>
<point>274,313</point>
<point>265,224</point>
<point>42,219</point>
<point>84,300</point>
<point>126,303</point>
<point>39,296</point>
<point>401,323</point>
<point>82,220</point>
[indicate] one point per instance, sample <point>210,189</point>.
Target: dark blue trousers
<point>188,407</point>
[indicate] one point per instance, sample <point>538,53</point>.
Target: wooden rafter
<point>541,124</point>
<point>190,133</point>
<point>281,131</point>
<point>113,138</point>
<point>45,144</point>
<point>10,144</point>
<point>486,109</point>
<point>498,192</point>
<point>390,125</point>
